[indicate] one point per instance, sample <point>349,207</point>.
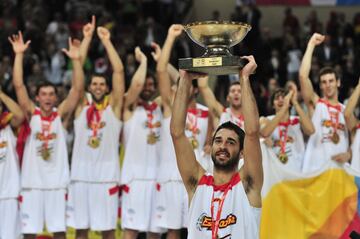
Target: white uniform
<point>294,147</point>
<point>9,185</point>
<point>355,147</point>
<point>171,197</point>
<point>196,127</point>
<point>95,172</point>
<point>320,147</point>
<point>140,167</point>
<point>228,116</point>
<point>45,175</point>
<point>238,219</point>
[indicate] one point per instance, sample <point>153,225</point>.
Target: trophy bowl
<point>217,36</point>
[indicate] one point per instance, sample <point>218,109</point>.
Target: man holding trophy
<point>226,203</point>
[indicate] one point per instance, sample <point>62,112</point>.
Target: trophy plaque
<point>216,37</point>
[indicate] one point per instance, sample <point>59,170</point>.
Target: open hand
<point>139,55</point>
<point>156,51</point>
<point>18,44</point>
<point>74,49</point>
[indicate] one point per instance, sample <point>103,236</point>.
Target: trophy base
<point>216,65</point>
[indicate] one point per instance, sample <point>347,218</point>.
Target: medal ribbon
<point>238,120</point>
<point>192,119</point>
<point>46,122</point>
<point>94,114</point>
<point>334,117</point>
<point>215,224</point>
<point>283,136</point>
<point>149,108</point>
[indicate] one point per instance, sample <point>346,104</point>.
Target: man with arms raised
<point>95,167</point>
<point>330,140</point>
<point>45,169</point>
<point>227,203</point>
<point>219,113</point>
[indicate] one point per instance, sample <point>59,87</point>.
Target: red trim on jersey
<point>290,122</point>
<point>358,126</point>
<point>124,188</point>
<point>158,187</point>
<point>209,181</point>
<point>199,112</point>
<point>50,118</point>
<point>327,103</point>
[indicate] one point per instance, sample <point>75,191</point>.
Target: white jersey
<point>9,166</point>
<point>196,127</point>
<point>320,147</point>
<point>142,139</point>
<point>95,155</point>
<point>45,163</point>
<point>238,219</point>
<point>168,170</point>
<point>355,147</point>
<point>294,147</point>
<point>228,116</point>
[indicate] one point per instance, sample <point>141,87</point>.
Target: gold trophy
<point>216,37</point>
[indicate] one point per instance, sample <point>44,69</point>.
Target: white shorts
<point>9,219</point>
<point>171,205</point>
<point>137,206</point>
<point>42,206</point>
<point>92,205</point>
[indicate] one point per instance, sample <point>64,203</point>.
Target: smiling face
<point>329,85</point>
<point>225,151</point>
<point>98,88</point>
<point>234,96</point>
<point>46,98</point>
<point>149,89</point>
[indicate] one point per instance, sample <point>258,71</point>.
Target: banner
<point>322,204</point>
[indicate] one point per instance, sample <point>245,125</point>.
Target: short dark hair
<point>231,126</point>
<point>43,84</point>
<point>328,70</point>
<point>278,92</point>
<point>151,74</point>
<point>101,75</point>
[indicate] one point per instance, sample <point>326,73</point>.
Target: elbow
<point>176,132</point>
<point>253,131</point>
<point>310,131</point>
<point>347,115</point>
<point>263,133</point>
<point>160,68</point>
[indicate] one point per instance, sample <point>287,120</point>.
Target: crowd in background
<point>48,24</point>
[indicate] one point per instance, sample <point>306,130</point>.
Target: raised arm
<point>173,72</point>
<point>19,47</point>
<point>88,32</point>
<point>268,126</point>
<point>18,116</point>
<point>118,85</point>
<point>306,124</point>
<point>215,107</point>
<point>350,118</point>
<point>67,107</point>
<point>162,64</point>
<point>253,172</point>
<point>190,169</point>
<point>138,79</point>
<point>307,90</point>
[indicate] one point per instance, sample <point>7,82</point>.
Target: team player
<point>45,169</point>
<point>141,136</point>
<point>9,167</point>
<point>330,140</point>
<point>227,203</point>
<point>353,125</point>
<point>171,198</point>
<point>95,168</point>
<point>219,113</point>
<point>285,130</point>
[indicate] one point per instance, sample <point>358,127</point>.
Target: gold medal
<point>45,153</point>
<point>335,138</point>
<point>283,158</point>
<point>151,138</point>
<point>194,142</point>
<point>94,142</point>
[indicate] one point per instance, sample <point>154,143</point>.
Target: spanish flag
<point>317,205</point>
